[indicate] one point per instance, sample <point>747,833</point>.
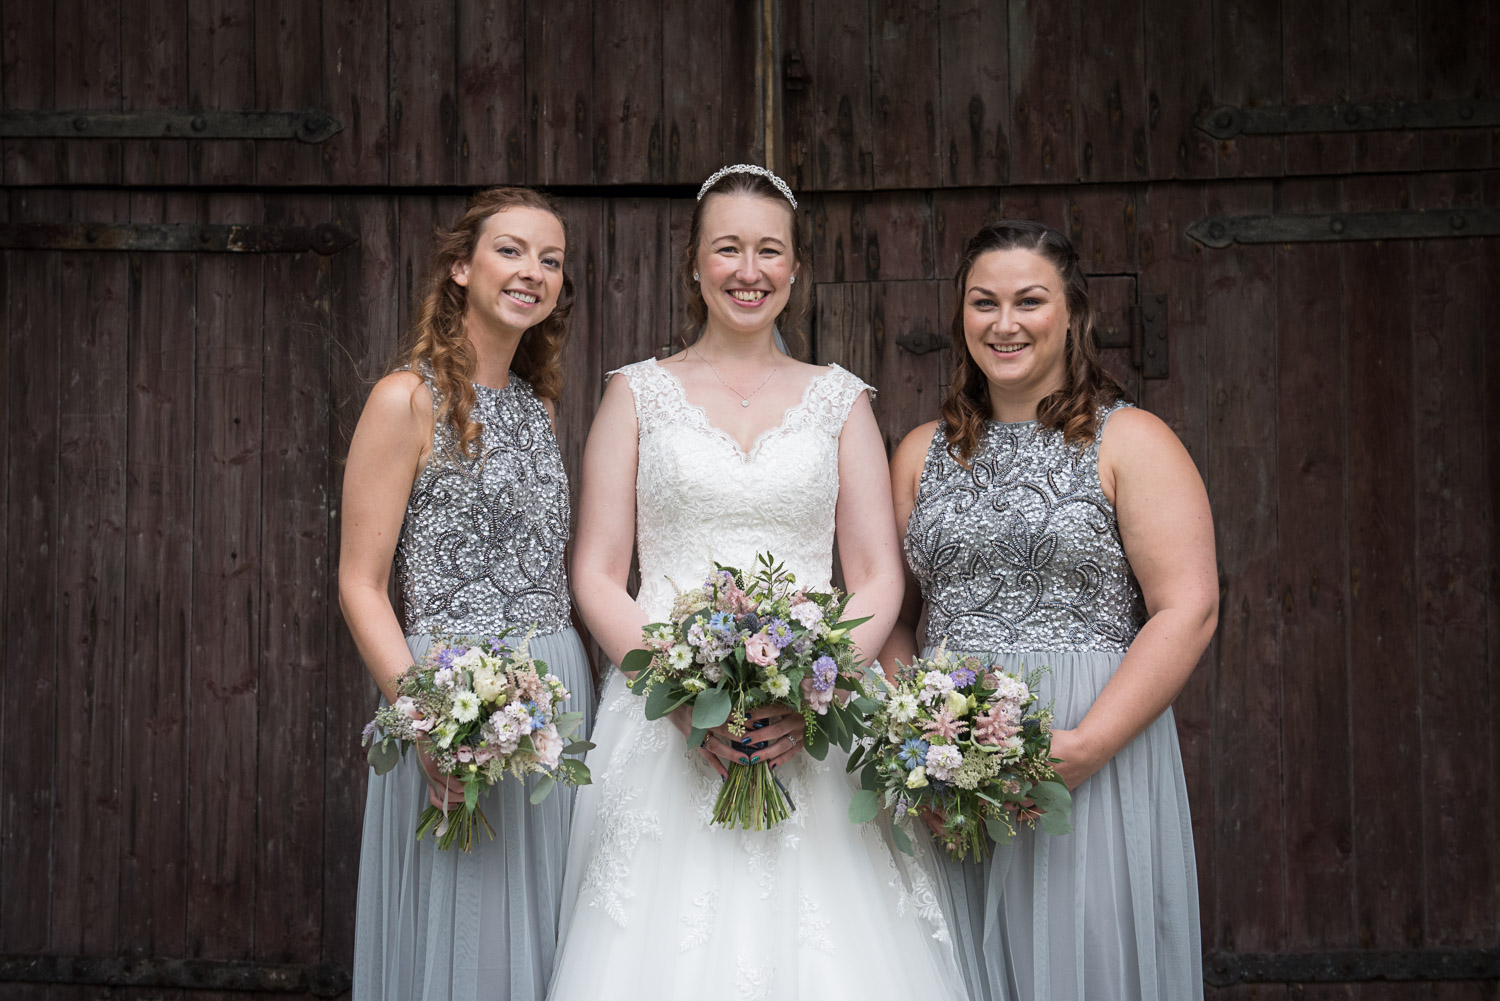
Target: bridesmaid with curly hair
<point>1048,523</point>
<point>455,478</point>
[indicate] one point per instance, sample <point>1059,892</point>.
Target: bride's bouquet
<point>968,742</point>
<point>481,711</point>
<point>741,641</point>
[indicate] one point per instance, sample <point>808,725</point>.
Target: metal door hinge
<point>1221,231</point>
<point>1228,121</point>
<point>311,126</point>
<point>325,238</point>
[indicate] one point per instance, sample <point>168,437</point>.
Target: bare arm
<point>906,475</point>
<point>390,444</point>
<point>1167,530</point>
<point>866,529</point>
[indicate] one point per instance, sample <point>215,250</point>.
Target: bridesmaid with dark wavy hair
<point>1048,523</point>
<point>455,479</point>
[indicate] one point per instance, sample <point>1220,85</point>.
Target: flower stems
<point>752,798</point>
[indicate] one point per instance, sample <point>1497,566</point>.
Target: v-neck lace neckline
<point>716,431</point>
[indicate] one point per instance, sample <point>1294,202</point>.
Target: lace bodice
<point>701,498</point>
<point>1022,550</point>
<point>481,547</point>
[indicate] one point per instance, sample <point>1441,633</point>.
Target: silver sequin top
<point>481,548</point>
<point>1021,551</point>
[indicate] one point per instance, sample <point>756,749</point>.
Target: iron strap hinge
<point>1224,969</point>
<point>311,126</point>
<point>325,238</point>
<point>1228,121</point>
<point>1221,231</point>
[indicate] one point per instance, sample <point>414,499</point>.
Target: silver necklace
<point>744,397</point>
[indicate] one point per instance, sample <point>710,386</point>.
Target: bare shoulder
<point>1133,434</point>
<point>911,454</point>
<point>1141,454</point>
<point>400,400</point>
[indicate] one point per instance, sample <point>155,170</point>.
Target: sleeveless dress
<point>1019,560</point>
<point>661,905</point>
<point>481,549</point>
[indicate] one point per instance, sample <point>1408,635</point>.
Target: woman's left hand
<point>1076,763</point>
<point>780,728</point>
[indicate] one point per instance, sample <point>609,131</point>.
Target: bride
<point>724,450</point>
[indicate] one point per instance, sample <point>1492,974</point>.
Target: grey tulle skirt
<point>450,926</point>
<point>1108,912</point>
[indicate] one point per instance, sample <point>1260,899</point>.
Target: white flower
<point>470,659</point>
<point>807,614</point>
<point>904,707</point>
<point>713,671</point>
<point>679,658</point>
<point>549,746</point>
<point>444,733</point>
<point>778,686</point>
<point>1011,689</point>
<point>465,707</point>
<point>443,677</point>
<point>943,760</point>
<point>507,734</point>
<point>1010,748</point>
<point>516,713</point>
<point>935,687</point>
<point>917,779</point>
<point>487,684</point>
<point>694,684</point>
<point>958,703</point>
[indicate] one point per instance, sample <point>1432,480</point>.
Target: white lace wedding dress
<point>657,903</point>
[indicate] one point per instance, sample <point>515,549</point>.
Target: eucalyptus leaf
<point>659,702</point>
<point>471,793</point>
<point>901,840</point>
<point>817,744</point>
<point>578,747</point>
<point>864,806</point>
<point>383,756</point>
<point>696,737</point>
<point>869,777</point>
<point>996,829</point>
<point>543,789</point>
<point>712,708</point>
<point>636,660</point>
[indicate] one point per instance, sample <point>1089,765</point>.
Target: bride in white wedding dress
<point>688,458</point>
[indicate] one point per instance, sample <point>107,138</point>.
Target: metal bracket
<point>325,238</point>
<point>1221,231</point>
<point>312,126</point>
<point>1224,969</point>
<point>1152,351</point>
<point>323,980</point>
<point>921,341</point>
<point>1228,121</point>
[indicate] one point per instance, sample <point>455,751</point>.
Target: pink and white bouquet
<point>967,741</point>
<point>482,711</point>
<point>742,641</point>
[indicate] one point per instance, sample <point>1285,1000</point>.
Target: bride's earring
<point>794,280</point>
<point>695,276</point>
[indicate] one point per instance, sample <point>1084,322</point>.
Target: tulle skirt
<point>450,926</point>
<point>660,905</point>
<point>1108,912</point>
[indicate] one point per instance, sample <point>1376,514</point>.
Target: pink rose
<point>548,746</point>
<point>818,700</point>
<point>761,650</point>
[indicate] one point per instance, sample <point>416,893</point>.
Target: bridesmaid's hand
<point>440,786</point>
<point>1076,762</point>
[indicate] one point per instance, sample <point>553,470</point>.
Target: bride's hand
<point>715,747</point>
<point>776,734</point>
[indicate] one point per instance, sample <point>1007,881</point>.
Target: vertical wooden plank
<point>1172,261</point>
<point>1112,298</point>
<point>226,608</point>
<point>1315,57</point>
<point>627,93</point>
<point>1102,226</point>
<point>957,216</point>
<point>27,77</point>
<point>363,290</point>
<point>1455,59</point>
<point>1311,472</point>
<point>796,93</point>
<point>88,76</point>
<point>1247,40</point>
<point>855,237</point>
<point>974,86</point>
<point>842,140</point>
<point>905,94</point>
<point>581,354</point>
<point>1385,732</point>
<point>154,75</point>
<point>90,592</point>
<point>491,103</point>
<point>1112,91</point>
<point>416,227</point>
<point>159,591</point>
<point>29,756</point>
<point>221,77</point>
<point>1384,66</point>
<point>1491,370</point>
<point>694,99</point>
<point>1043,40</point>
<point>743,112</point>
<point>1452,526</point>
<point>1242,486</point>
<point>680,220</point>
<point>559,92</point>
<point>294,598</point>
<point>288,77</point>
<point>1179,87</point>
<point>423,121</point>
<point>356,81</point>
<point>843,311</point>
<point>634,296</point>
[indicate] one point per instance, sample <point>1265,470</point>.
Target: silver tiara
<point>747,168</point>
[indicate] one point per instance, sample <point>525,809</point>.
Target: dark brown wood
<point>1044,111</point>
<point>855,237</point>
<point>221,77</point>
<point>692,85</point>
<point>226,605</point>
<point>1242,486</point>
<point>956,216</point>
<point>1179,87</point>
<point>1384,63</point>
<point>1315,46</point>
<point>491,95</point>
<point>289,75</point>
<point>1455,54</point>
<point>627,106</point>
<point>583,384</point>
<point>292,689</point>
<point>356,73</point>
<point>27,76</point>
<point>742,110</point>
<point>1385,732</point>
<point>636,268</point>
<point>1457,710</point>
<point>1491,369</point>
<point>905,92</point>
<point>559,92</point>
<point>974,93</point>
<point>1102,224</point>
<point>1112,298</point>
<point>1112,91</point>
<point>797,87</point>
<point>841,140</point>
<point>424,122</point>
<point>1247,39</point>
<point>1313,540</point>
<point>88,35</point>
<point>154,75</point>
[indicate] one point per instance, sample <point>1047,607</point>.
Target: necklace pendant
<point>744,403</point>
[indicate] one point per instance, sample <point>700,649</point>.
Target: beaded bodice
<point>1022,550</point>
<point>701,498</point>
<point>481,547</point>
